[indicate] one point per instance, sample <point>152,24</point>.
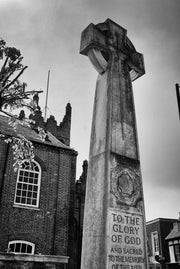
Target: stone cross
<point>114,234</point>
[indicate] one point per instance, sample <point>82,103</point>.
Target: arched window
<point>19,246</point>
<point>28,185</point>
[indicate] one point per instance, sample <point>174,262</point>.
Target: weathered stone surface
<point>114,222</point>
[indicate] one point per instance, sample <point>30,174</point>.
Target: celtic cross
<point>114,194</point>
<point>103,41</point>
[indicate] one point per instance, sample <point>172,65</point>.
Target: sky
<point>48,32</point>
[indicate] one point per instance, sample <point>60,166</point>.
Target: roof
<point>160,220</point>
<point>172,235</point>
<point>175,232</point>
<point>29,133</point>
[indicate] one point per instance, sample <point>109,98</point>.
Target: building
<point>173,240</point>
<point>37,201</point>
<point>80,192</point>
<point>42,207</point>
<point>158,250</point>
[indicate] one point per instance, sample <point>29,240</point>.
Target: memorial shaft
<point>114,221</point>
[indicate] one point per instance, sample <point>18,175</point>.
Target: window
<point>28,185</point>
<point>21,247</point>
<point>155,243</point>
<point>174,250</point>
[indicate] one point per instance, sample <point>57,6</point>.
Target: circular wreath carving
<point>125,185</point>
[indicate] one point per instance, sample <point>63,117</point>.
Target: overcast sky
<point>48,34</point>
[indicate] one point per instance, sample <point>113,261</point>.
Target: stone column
<point>114,223</point>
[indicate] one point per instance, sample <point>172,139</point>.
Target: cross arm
<point>99,41</point>
<point>136,65</point>
<point>93,44</point>
<point>92,37</point>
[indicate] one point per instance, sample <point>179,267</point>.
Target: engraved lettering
<point>126,243</point>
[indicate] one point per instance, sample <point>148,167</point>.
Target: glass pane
<point>31,180</point>
<point>29,249</point>
<point>18,192</point>
<point>33,201</point>
<point>36,168</point>
<point>30,187</point>
<point>177,252</point>
<point>19,185</point>
<point>24,193</point>
<point>35,188</point>
<point>24,186</point>
<point>12,246</point>
<point>26,174</point>
<point>34,194</point>
<point>23,248</point>
<point>26,165</point>
<point>29,194</point>
<point>23,200</point>
<point>28,201</point>
<point>25,179</point>
<point>17,199</point>
<point>20,178</point>
<point>18,247</point>
<point>21,173</point>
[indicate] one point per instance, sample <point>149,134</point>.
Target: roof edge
<point>160,219</point>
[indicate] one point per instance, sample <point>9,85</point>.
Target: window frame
<point>155,243</point>
<point>39,172</point>
<point>27,243</point>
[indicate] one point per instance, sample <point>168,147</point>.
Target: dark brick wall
<point>163,227</point>
<point>80,192</point>
<point>48,227</point>
<point>3,153</point>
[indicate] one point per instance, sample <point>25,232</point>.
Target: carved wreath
<point>126,186</point>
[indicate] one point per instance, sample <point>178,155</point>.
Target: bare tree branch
<point>8,114</point>
<point>11,83</point>
<point>11,70</point>
<point>4,65</point>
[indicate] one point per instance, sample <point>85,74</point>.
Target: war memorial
<point>114,223</point>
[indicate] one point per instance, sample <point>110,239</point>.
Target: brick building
<point>37,202</point>
<point>80,192</point>
<point>157,231</point>
<point>173,240</point>
<point>42,207</point>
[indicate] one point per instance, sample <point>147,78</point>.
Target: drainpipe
<point>178,96</point>
<point>4,171</point>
